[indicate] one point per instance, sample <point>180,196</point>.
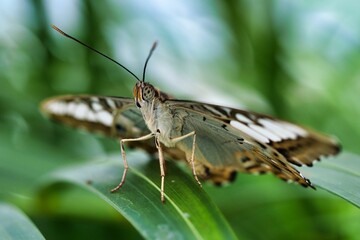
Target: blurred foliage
<point>15,225</point>
<point>296,60</point>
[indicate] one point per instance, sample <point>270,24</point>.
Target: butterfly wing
<point>111,116</point>
<point>230,140</point>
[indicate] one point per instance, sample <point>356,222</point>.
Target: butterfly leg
<point>126,166</point>
<point>162,169</point>
<point>191,134</point>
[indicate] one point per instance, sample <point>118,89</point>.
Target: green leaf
<point>188,212</point>
<point>16,225</point>
<point>339,175</point>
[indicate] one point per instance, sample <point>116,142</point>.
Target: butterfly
<point>216,141</point>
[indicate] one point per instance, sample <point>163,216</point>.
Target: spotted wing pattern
<point>265,144</point>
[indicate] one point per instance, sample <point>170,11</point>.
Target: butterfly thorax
<point>156,113</point>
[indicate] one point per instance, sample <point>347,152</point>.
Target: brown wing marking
<point>306,150</point>
<point>221,175</point>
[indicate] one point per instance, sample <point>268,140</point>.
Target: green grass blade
<point>16,225</point>
<point>187,214</point>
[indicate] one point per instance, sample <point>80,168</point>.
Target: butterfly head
<point>144,93</point>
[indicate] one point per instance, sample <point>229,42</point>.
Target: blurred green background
<point>296,60</point>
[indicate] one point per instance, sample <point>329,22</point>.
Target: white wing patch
<point>266,130</point>
<point>295,129</point>
<point>57,107</point>
<point>276,128</point>
<point>96,106</point>
<point>252,133</point>
<point>213,110</point>
<point>111,103</point>
<point>105,118</point>
<point>82,111</point>
<point>91,116</point>
<point>242,118</point>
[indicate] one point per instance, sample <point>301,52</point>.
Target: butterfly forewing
<point>111,116</point>
<point>270,143</point>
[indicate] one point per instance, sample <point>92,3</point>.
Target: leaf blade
<point>187,213</point>
<point>339,175</point>
<point>14,224</point>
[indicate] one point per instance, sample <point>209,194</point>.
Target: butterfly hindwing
<point>221,151</point>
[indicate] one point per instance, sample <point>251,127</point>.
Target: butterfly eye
<point>148,93</point>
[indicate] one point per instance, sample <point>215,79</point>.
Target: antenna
<point>147,59</point>
<point>102,54</point>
